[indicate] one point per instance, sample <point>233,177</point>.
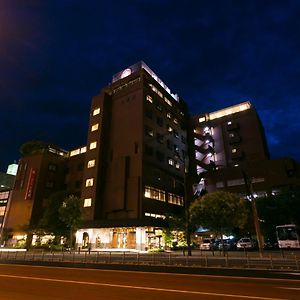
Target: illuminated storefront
<point>138,238</point>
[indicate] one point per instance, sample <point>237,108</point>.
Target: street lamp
<point>252,198</point>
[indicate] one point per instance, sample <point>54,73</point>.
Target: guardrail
<point>290,261</point>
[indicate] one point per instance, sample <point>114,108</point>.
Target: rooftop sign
<point>138,66</point>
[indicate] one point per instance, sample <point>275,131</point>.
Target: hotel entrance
<point>124,238</point>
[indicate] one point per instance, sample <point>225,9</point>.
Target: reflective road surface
<point>43,283</point>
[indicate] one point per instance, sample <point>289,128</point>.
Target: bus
<point>288,236</point>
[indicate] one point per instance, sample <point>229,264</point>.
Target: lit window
<point>169,116</point>
<point>4,195</point>
<point>175,121</point>
<point>2,210</point>
<point>206,129</point>
<point>233,150</point>
<point>95,127</point>
<point>171,162</point>
<point>93,145</point>
<point>87,202</point>
<point>96,111</point>
<point>175,199</point>
<point>149,131</point>
<point>177,165</point>
<point>89,182</point>
<point>202,119</point>
<point>149,98</point>
<point>168,101</point>
<point>170,129</point>
<point>154,193</point>
<point>91,163</point>
<point>75,152</point>
<point>229,123</point>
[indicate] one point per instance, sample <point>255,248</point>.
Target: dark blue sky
<point>56,54</point>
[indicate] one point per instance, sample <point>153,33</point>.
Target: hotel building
<point>134,167</point>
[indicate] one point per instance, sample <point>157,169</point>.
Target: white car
<point>245,243</point>
<point>206,244</point>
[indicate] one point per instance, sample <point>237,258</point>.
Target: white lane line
<point>289,288</point>
<point>163,273</point>
<point>141,287</point>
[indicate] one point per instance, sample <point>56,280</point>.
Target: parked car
<point>207,244</point>
<point>229,244</point>
<point>246,243</point>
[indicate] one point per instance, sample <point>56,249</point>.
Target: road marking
<point>141,287</point>
<point>288,288</point>
<point>165,273</point>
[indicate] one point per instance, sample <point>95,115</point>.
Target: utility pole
<point>249,190</point>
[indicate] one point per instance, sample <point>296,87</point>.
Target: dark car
<point>229,244</point>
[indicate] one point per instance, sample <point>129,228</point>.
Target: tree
<point>50,223</point>
<point>32,147</point>
<point>219,211</point>
<point>279,209</point>
<point>70,214</point>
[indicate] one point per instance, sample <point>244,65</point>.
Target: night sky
<point>55,55</point>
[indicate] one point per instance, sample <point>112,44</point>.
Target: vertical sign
<point>30,185</point>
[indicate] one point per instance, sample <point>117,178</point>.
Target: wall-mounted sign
<point>30,185</point>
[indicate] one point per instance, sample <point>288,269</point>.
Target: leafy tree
<point>50,221</point>
<point>32,147</point>
<point>70,214</point>
<point>6,234</point>
<point>219,211</point>
<point>282,208</point>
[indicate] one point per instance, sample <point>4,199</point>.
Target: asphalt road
<point>45,283</point>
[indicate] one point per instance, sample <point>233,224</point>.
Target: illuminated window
<point>91,163</point>
<point>4,195</point>
<point>89,182</point>
<point>87,202</point>
<point>229,123</point>
<point>170,129</point>
<point>149,98</point>
<point>169,116</point>
<point>75,152</point>
<point>175,199</point>
<point>93,145</point>
<point>177,165</point>
<point>2,210</point>
<point>233,150</point>
<point>95,127</point>
<point>168,101</point>
<point>157,216</point>
<point>155,194</point>
<point>202,119</point>
<point>171,162</point>
<point>96,111</point>
<point>175,121</point>
<point>149,131</point>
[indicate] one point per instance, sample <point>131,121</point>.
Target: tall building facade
<point>230,153</point>
<point>134,168</point>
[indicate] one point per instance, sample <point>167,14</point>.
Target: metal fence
<point>289,261</point>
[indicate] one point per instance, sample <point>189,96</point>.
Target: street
<point>37,282</point>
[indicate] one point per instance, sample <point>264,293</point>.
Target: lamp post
<point>250,196</point>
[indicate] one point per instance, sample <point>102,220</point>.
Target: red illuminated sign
<point>30,185</point>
